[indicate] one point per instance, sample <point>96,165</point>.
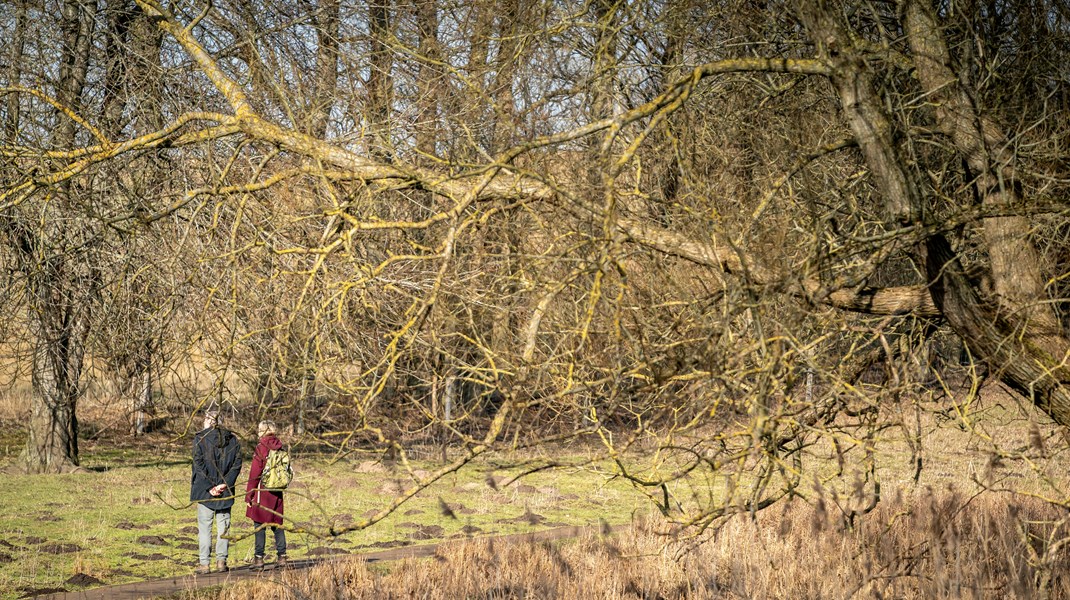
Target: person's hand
<point>217,490</point>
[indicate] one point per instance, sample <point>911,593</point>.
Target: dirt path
<point>163,587</point>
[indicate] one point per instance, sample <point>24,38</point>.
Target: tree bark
<point>120,15</point>
<point>14,72</point>
<point>902,300</point>
<point>429,80</point>
<point>77,28</point>
<point>1015,261</point>
<point>1016,332</point>
<point>60,288</point>
<point>504,124</point>
<point>142,399</point>
<point>380,87</point>
<point>999,339</point>
<point>1010,331</point>
<point>872,127</point>
<point>61,327</point>
<point>327,23</point>
<point>668,170</point>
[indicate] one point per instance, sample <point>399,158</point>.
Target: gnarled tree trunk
<point>1013,330</point>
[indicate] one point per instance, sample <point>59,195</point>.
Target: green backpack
<point>277,470</point>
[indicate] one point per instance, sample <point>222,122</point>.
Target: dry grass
<point>14,388</point>
<point>932,545</point>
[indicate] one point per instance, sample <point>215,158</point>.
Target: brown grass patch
<point>931,545</point>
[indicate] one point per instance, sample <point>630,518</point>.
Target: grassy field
<point>980,519</point>
<point>126,518</point>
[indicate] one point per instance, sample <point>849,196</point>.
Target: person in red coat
<point>265,507</point>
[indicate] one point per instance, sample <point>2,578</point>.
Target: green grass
<point>126,518</point>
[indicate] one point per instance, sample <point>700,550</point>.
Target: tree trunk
<point>1014,259</point>
<point>666,169</point>
<point>78,20</point>
<point>1010,331</point>
<point>1016,332</point>
<point>505,240</point>
<point>14,74</point>
<point>997,338</point>
<point>141,392</point>
<point>327,23</point>
<point>142,402</point>
<point>61,328</point>
<point>504,124</point>
<point>60,288</point>
<point>118,38</point>
<point>429,80</point>
<point>306,400</point>
<point>380,90</point>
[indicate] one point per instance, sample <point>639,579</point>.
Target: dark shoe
<point>202,570</point>
<point>221,566</point>
<point>258,563</point>
<point>281,562</point>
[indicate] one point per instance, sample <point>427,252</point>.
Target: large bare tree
<point>645,223</point>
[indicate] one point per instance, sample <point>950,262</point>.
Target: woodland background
<point>729,242</point>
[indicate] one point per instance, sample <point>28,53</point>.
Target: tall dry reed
<point>931,545</point>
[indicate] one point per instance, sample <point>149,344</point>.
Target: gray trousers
<point>205,516</point>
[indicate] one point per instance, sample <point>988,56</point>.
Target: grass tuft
<point>931,545</point>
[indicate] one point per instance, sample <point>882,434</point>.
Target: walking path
<point>164,587</point>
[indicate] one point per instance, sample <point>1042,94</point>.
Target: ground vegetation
<point>726,244</point>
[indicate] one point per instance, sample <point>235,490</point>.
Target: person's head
<point>265,428</point>
<point>212,418</point>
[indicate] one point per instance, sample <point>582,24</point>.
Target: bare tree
<point>61,288</point>
<point>692,226</point>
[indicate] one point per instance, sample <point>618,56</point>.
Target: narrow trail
<point>163,587</point>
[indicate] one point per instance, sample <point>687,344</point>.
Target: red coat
<point>264,506</point>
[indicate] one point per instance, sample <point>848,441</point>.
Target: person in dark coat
<point>216,463</point>
<point>265,507</point>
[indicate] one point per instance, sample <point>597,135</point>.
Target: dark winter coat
<point>264,506</point>
<point>216,460</point>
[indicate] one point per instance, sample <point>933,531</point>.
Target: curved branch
<point>90,156</point>
<point>900,300</point>
<point>63,108</point>
<point>505,185</point>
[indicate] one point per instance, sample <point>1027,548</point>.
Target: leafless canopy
<point>686,228</point>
